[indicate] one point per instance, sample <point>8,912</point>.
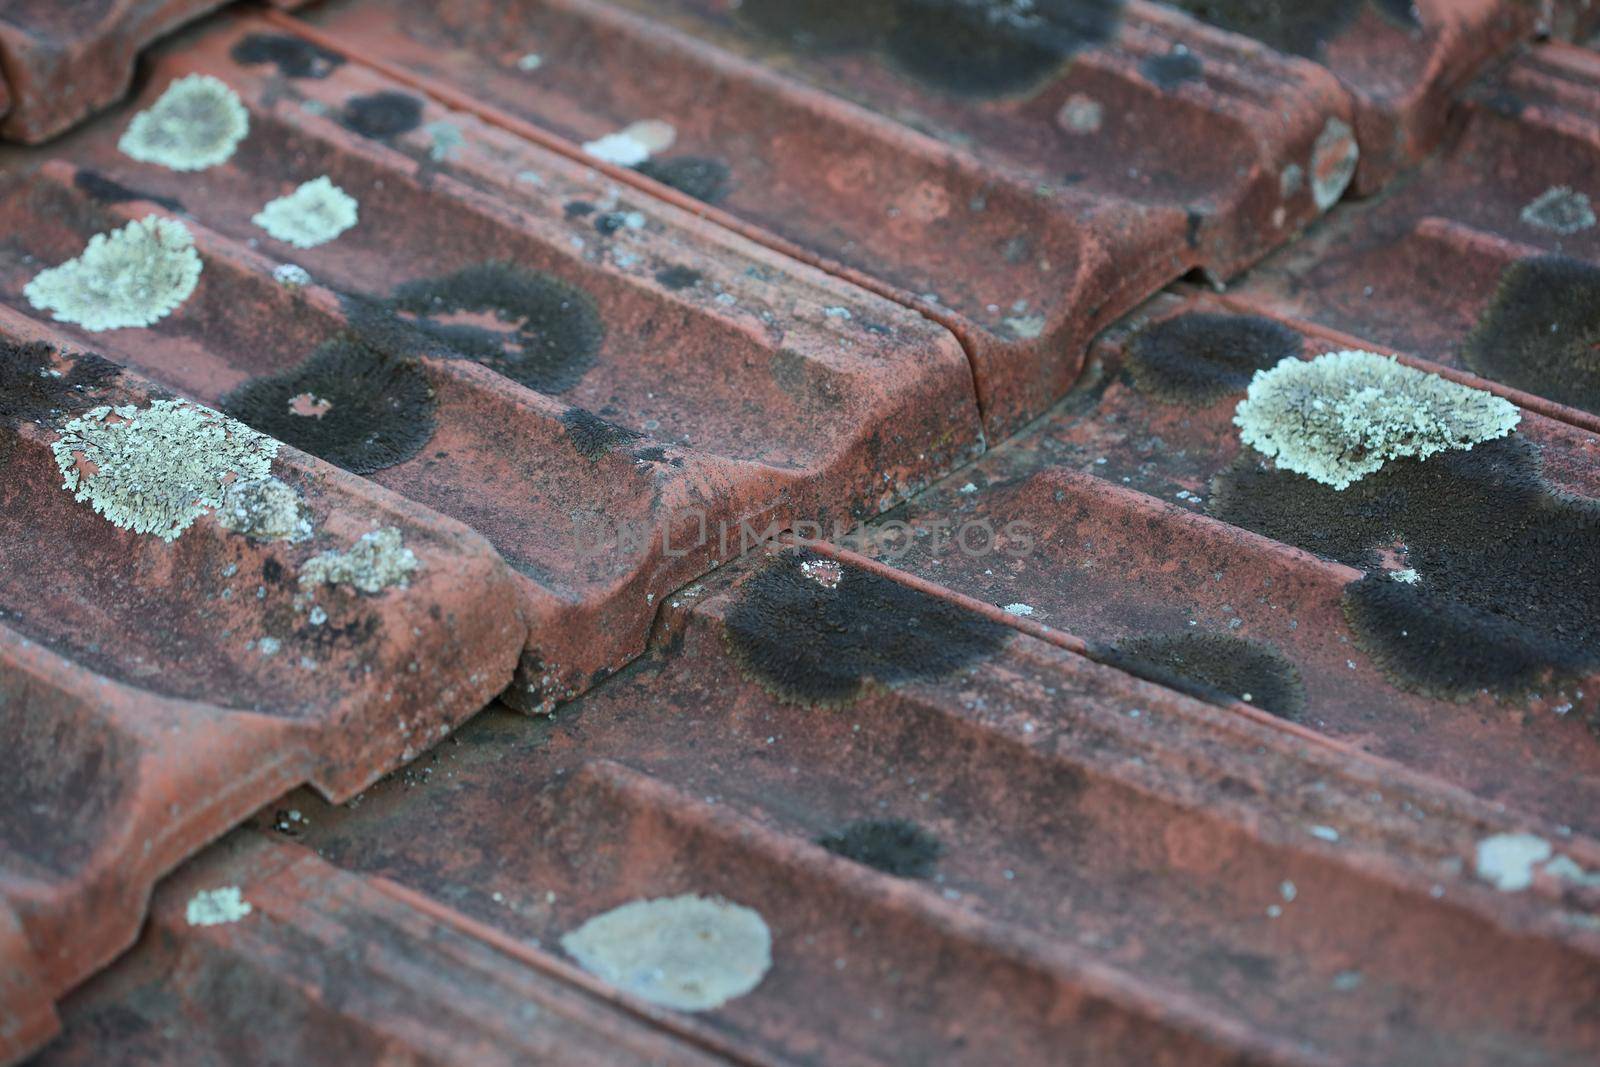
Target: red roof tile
<point>1062,723</point>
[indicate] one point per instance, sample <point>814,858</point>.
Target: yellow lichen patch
<point>135,276</point>
<point>1341,416</point>
<point>156,469</point>
<point>375,563</point>
<point>312,215</point>
<point>197,123</point>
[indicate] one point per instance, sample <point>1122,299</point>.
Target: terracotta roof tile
<point>157,693</point>
<point>1121,873</point>
<point>1025,224</point>
<point>831,415</point>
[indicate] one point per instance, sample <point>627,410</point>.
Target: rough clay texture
<point>1341,416</point>
<point>1076,745</point>
<point>134,276</point>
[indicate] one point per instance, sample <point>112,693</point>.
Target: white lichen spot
<point>1568,870</point>
<point>312,215</point>
<point>1560,209</point>
<point>1325,833</point>
<point>379,561</point>
<point>264,509</point>
<point>1026,327</point>
<point>1020,610</point>
<point>825,572</point>
<point>1333,163</point>
<point>291,276</point>
<point>689,953</point>
<point>633,144</point>
<point>1506,861</point>
<point>1081,114</point>
<point>157,469</point>
<point>135,276</point>
<point>1292,180</point>
<point>1408,575</point>
<point>445,138</point>
<point>530,62</point>
<point>197,123</point>
<point>213,907</point>
<point>1341,416</point>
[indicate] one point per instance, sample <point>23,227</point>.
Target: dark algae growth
<point>811,641</point>
<point>1200,357</point>
<point>977,48</point>
<point>1215,667</point>
<point>1507,589</point>
<point>1541,333</point>
<point>893,846</point>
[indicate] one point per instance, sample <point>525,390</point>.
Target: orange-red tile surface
<point>822,417</point>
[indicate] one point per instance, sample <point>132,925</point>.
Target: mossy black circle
<point>556,330</point>
<point>893,846</point>
<point>1212,665</point>
<point>1200,357</point>
<point>1541,333</point>
<point>807,643</point>
<point>380,407</point>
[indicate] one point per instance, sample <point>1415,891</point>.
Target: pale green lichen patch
<point>214,907</point>
<point>264,509</point>
<point>689,953</point>
<point>1342,416</point>
<point>156,469</point>
<point>197,123</point>
<point>312,215</point>
<point>135,276</point>
<point>379,561</point>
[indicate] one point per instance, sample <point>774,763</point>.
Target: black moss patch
<point>893,846</point>
<point>701,177</point>
<point>106,191</point>
<point>1173,69</point>
<point>592,436</point>
<point>808,644</point>
<point>1302,27</point>
<point>979,48</point>
<point>381,116</point>
<point>990,49</point>
<point>1541,333</point>
<point>29,393</point>
<point>610,222</point>
<point>1443,646</point>
<point>1501,558</point>
<point>381,413</point>
<point>1201,357</point>
<point>1214,667</point>
<point>676,278</point>
<point>555,329</point>
<point>577,209</point>
<point>294,58</point>
<point>822,25</point>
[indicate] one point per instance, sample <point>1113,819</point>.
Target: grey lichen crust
<point>1341,416</point>
<point>264,509</point>
<point>688,953</point>
<point>135,276</point>
<point>312,215</point>
<point>197,123</point>
<point>154,470</point>
<point>379,561</point>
